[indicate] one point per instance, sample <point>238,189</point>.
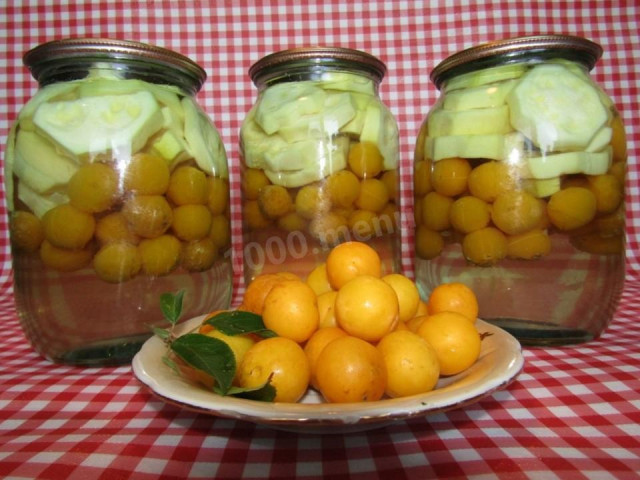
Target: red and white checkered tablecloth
<point>574,412</point>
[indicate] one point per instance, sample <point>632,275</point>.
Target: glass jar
<point>319,161</point>
<point>519,181</point>
<point>117,191</point>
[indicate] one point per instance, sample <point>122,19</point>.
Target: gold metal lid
<point>40,58</point>
<point>517,49</point>
<point>319,56</point>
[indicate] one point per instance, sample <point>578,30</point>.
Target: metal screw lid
<point>272,64</point>
<point>106,49</point>
<point>516,49</point>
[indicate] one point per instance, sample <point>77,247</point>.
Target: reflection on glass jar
<point>319,154</point>
<point>117,188</point>
<point>519,181</point>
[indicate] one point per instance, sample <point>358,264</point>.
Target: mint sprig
<point>171,307</point>
<point>238,322</point>
<point>211,355</point>
<point>208,354</point>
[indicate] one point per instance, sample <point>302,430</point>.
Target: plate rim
<point>197,399</point>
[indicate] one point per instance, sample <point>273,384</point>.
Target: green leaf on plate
<point>264,393</point>
<point>208,354</point>
<point>163,333</point>
<point>171,306</point>
<point>171,364</point>
<point>238,322</point>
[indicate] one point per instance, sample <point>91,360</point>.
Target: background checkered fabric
<point>573,412</point>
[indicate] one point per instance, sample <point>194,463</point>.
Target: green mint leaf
<point>238,322</point>
<point>208,354</point>
<point>264,393</point>
<point>171,364</point>
<point>171,306</point>
<point>163,333</point>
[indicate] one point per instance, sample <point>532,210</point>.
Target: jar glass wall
<point>319,161</point>
<point>519,181</point>
<point>117,190</point>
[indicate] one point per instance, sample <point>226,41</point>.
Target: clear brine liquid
<point>565,297</point>
<point>92,322</point>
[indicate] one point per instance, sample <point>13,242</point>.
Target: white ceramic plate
<point>500,362</point>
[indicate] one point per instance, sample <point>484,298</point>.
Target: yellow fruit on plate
<point>455,340</point>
